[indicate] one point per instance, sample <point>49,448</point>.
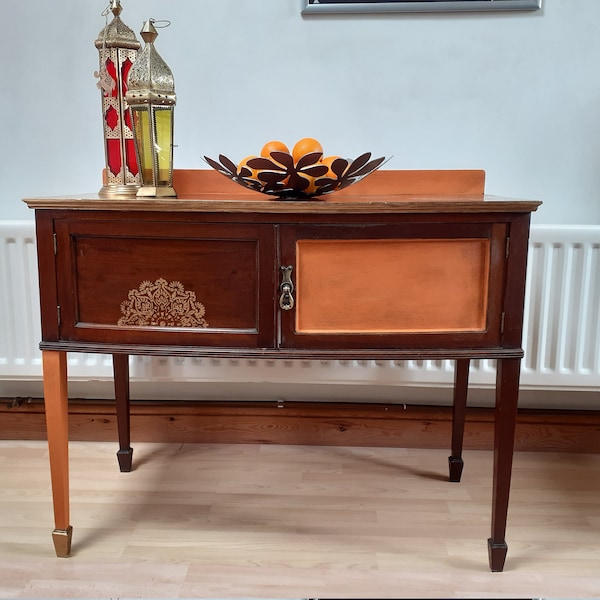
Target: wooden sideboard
<point>403,265</point>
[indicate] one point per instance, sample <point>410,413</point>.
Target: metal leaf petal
<point>298,183</point>
<point>338,166</point>
<point>261,163</point>
<point>369,167</point>
<point>358,163</point>
<point>271,177</point>
<point>315,170</point>
<point>283,158</point>
<point>308,159</point>
<point>228,164</point>
<point>216,166</point>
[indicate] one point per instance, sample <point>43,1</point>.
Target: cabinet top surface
<point>212,203</point>
<point>382,192</point>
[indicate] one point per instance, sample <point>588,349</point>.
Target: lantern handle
<point>163,23</point>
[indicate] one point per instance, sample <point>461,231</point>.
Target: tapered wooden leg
<point>507,396</point>
<point>459,411</point>
<point>54,365</point>
<point>121,378</point>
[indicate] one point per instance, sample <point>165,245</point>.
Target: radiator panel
<point>561,329</point>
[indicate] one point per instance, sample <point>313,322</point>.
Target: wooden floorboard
<point>296,521</point>
<point>327,424</point>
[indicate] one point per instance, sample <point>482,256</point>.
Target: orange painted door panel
<point>394,286</point>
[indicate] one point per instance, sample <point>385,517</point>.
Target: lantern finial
<point>148,32</point>
<point>115,7</point>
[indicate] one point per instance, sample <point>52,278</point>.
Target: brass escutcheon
<point>286,299</point>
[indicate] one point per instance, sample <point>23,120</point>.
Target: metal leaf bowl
<point>281,176</point>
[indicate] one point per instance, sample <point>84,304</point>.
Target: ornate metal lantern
<point>118,48</point>
<point>151,97</point>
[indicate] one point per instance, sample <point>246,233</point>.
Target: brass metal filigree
<point>162,304</point>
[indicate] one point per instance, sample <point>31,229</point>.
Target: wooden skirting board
<point>314,423</point>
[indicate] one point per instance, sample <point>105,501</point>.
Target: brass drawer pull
<point>286,300</point>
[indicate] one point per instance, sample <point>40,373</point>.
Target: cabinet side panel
<point>392,286</point>
<point>44,224</point>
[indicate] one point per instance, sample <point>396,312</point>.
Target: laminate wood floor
<point>271,521</point>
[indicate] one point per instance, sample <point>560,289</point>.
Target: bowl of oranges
<point>304,172</point>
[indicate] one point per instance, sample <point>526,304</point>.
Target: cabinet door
<point>151,282</point>
<point>415,285</point>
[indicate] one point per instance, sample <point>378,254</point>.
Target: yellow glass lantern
<point>118,48</point>
<point>151,98</point>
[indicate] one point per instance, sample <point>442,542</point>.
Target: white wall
<point>517,94</point>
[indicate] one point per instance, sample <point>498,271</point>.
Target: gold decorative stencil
<point>162,304</point>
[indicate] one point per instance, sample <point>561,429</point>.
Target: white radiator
<point>561,340</point>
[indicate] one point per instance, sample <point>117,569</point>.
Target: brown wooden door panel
<point>193,284</point>
<point>395,286</point>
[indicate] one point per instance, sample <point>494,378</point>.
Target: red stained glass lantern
<point>118,48</point>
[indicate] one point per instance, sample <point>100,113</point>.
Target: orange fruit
<point>273,146</point>
<point>305,146</point>
<point>327,162</point>
<point>242,164</point>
